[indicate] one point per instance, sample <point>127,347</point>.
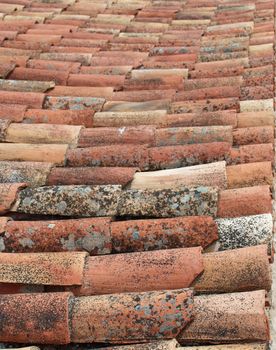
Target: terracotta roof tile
<point>26,85</point>
<point>34,173</point>
<point>33,153</point>
<point>39,74</point>
<point>151,234</point>
<point>167,203</point>
<point>244,201</point>
<point>43,268</point>
<point>141,271</point>
<point>246,269</point>
<point>245,231</point>
<point>29,325</point>
<point>212,174</point>
<point>226,318</point>
<point>91,176</point>
<point>91,235</point>
<point>137,309</point>
<point>9,192</point>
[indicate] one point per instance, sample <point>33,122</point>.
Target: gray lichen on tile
<point>245,231</point>
<point>79,201</point>
<point>169,202</point>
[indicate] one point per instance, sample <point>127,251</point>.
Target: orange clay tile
<point>33,153</point>
<point>193,135</point>
<point>9,193</point>
<point>96,80</point>
<point>91,176</point>
<point>83,58</point>
<point>29,99</point>
<point>82,117</point>
<point>61,269</point>
<point>252,153</point>
<point>91,235</point>
<point>35,318</point>
<point>39,74</point>
<point>210,92</point>
<point>131,317</point>
<point>151,234</point>
<point>209,105</point>
<point>109,156</point>
<point>81,91</point>
<point>235,270</point>
<point>251,174</point>
<point>141,271</point>
<point>226,318</point>
<point>74,103</point>
<point>71,67</point>
<point>253,119</point>
<point>253,135</point>
<point>201,119</point>
<point>143,95</point>
<point>123,135</point>
<point>125,106</point>
<point>211,174</point>
<point>192,84</point>
<point>182,155</point>
<point>43,133</point>
<point>244,201</point>
<point>123,119</point>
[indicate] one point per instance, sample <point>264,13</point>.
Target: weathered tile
<point>245,231</point>
<point>165,203</point>
<point>70,200</point>
<point>121,317</point>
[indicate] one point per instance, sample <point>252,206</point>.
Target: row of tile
<point>211,174</point>
<point>134,317</point>
<point>111,200</point>
<point>99,236</point>
<point>246,269</point>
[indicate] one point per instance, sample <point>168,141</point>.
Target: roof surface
<point>136,174</point>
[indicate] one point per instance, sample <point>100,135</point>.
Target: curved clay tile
<point>256,105</point>
<point>35,318</point>
<point>192,135</point>
<point>91,235</point>
<point>43,133</point>
<point>91,176</point>
<point>235,270</point>
<point>62,269</point>
<point>245,231</point>
<point>168,202</point>
<point>32,173</point>
<point>109,156</point>
<point>244,201</point>
<point>210,105</point>
<point>84,117</point>
<point>29,99</point>
<point>72,103</point>
<point>168,157</point>
<point>9,195</point>
<point>253,135</point>
<point>81,91</point>
<point>33,153</point>
<point>151,234</point>
<point>26,85</point>
<point>110,136</point>
<point>13,112</point>
<point>249,119</point>
<point>131,317</point>
<point>119,106</point>
<point>73,200</point>
<point>251,174</point>
<point>211,174</point>
<point>251,153</point>
<point>201,119</point>
<point>142,271</point>
<point>228,318</point>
